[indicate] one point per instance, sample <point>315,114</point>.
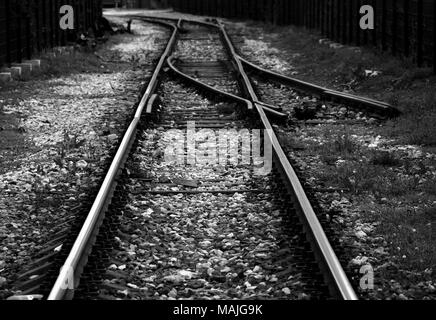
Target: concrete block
<point>15,72</point>
<point>5,77</point>
<point>26,69</point>
<point>36,64</point>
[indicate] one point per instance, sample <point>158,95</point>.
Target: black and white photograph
<point>217,158</point>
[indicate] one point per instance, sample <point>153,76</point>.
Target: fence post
<point>8,31</point>
<point>38,25</point>
<point>193,6</point>
<point>297,13</point>
<point>343,21</point>
<point>325,14</point>
<point>332,18</point>
<point>321,16</point>
<point>51,23</point>
<point>374,32</point>
<point>217,7</point>
<point>86,15</point>
<point>266,10</point>
<point>282,12</point>
<point>350,22</point>
<point>210,7</point>
<point>419,35</point>
<point>76,16</point>
<point>406,14</point>
<point>313,13</point>
<point>301,10</point>
<point>304,13</point>
<point>29,33</point>
<point>394,27</point>
<point>285,11</point>
<point>357,15</point>
<point>336,20</point>
<point>200,5</point>
<point>232,9</point>
<point>305,16</point>
<point>43,23</point>
<point>384,24</point>
<point>56,22</point>
<point>206,7</point>
<point>364,34</point>
<point>3,35</point>
<point>292,14</point>
<point>274,13</point>
<point>64,34</point>
<point>18,29</point>
<point>434,36</point>
<point>327,18</point>
<point>339,26</point>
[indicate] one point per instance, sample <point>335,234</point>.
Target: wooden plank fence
<point>402,27</point>
<point>29,26</point>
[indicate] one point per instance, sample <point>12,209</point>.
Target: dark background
<point>402,27</point>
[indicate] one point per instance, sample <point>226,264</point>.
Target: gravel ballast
<point>68,124</point>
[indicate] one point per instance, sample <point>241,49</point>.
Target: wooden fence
<point>403,27</point>
<point>28,26</point>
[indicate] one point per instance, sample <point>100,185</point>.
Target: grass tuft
<point>409,234</point>
<point>80,62</point>
<point>384,158</point>
<point>344,144</point>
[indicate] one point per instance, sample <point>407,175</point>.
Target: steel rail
<point>378,106</point>
<point>205,86</point>
<point>69,276</point>
<point>70,273</point>
<point>372,104</point>
<point>193,21</point>
<point>268,108</point>
<point>150,103</point>
<point>337,279</point>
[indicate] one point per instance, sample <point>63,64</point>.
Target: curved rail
<point>206,86</point>
<point>69,276</point>
<point>272,110</point>
<point>175,20</point>
<point>374,105</point>
<point>343,97</point>
<point>337,279</point>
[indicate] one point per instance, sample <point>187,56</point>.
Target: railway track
<point>214,229</point>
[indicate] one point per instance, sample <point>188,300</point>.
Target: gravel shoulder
<point>377,178</point>
<point>57,130</point>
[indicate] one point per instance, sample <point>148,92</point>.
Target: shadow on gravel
<point>12,141</point>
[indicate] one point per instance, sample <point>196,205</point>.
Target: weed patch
<point>384,158</point>
<point>409,234</point>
